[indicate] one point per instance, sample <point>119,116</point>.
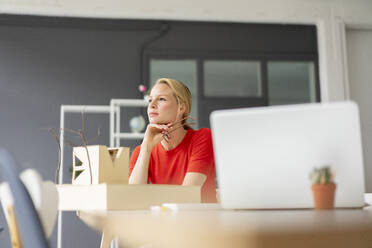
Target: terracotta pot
<point>324,195</point>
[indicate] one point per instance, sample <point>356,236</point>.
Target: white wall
<point>359,43</point>
<point>330,16</point>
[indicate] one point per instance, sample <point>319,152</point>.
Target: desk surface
<point>229,228</point>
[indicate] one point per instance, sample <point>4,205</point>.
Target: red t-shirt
<point>193,154</point>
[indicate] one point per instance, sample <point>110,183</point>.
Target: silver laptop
<point>264,155</point>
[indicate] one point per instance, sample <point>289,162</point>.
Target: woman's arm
<point>194,179</point>
<point>153,135</point>
<point>201,159</point>
<point>141,169</point>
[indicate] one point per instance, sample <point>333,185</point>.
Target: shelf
<point>129,135</point>
<point>85,108</point>
<point>129,102</point>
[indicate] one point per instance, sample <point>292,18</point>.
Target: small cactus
<point>321,175</point>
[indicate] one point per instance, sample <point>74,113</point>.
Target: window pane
<point>182,70</point>
<point>232,78</point>
<point>291,82</point>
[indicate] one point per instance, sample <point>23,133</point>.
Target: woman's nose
<point>152,104</point>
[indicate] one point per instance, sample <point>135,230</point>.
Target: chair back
<point>29,223</point>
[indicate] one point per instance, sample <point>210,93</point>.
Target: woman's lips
<point>153,114</point>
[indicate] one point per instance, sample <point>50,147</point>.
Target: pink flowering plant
<point>142,88</point>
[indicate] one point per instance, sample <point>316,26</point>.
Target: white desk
<point>279,228</point>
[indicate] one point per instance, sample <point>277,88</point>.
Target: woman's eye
<point>150,100</point>
<point>162,99</point>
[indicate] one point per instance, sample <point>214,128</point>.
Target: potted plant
<point>323,188</point>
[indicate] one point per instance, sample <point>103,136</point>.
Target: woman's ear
<point>181,109</point>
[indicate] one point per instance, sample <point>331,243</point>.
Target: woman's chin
<point>154,120</point>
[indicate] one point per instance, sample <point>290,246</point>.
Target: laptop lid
<point>264,155</point>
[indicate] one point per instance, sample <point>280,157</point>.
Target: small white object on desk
<point>175,207</point>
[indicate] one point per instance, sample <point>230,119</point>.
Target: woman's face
<point>163,107</point>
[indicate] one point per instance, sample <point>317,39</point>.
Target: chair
<point>29,224</point>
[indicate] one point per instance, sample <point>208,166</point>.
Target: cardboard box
<point>107,165</point>
<point>124,197</point>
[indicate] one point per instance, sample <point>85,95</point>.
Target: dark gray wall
<point>46,62</point>
<point>44,67</point>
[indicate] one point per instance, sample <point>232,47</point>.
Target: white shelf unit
<point>115,105</point>
<point>115,136</point>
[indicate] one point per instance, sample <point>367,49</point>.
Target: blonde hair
<point>182,94</point>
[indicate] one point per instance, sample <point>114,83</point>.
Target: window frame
<point>207,104</point>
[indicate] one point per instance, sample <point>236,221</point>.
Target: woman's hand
<point>154,134</point>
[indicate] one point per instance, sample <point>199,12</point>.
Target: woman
<point>171,151</point>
